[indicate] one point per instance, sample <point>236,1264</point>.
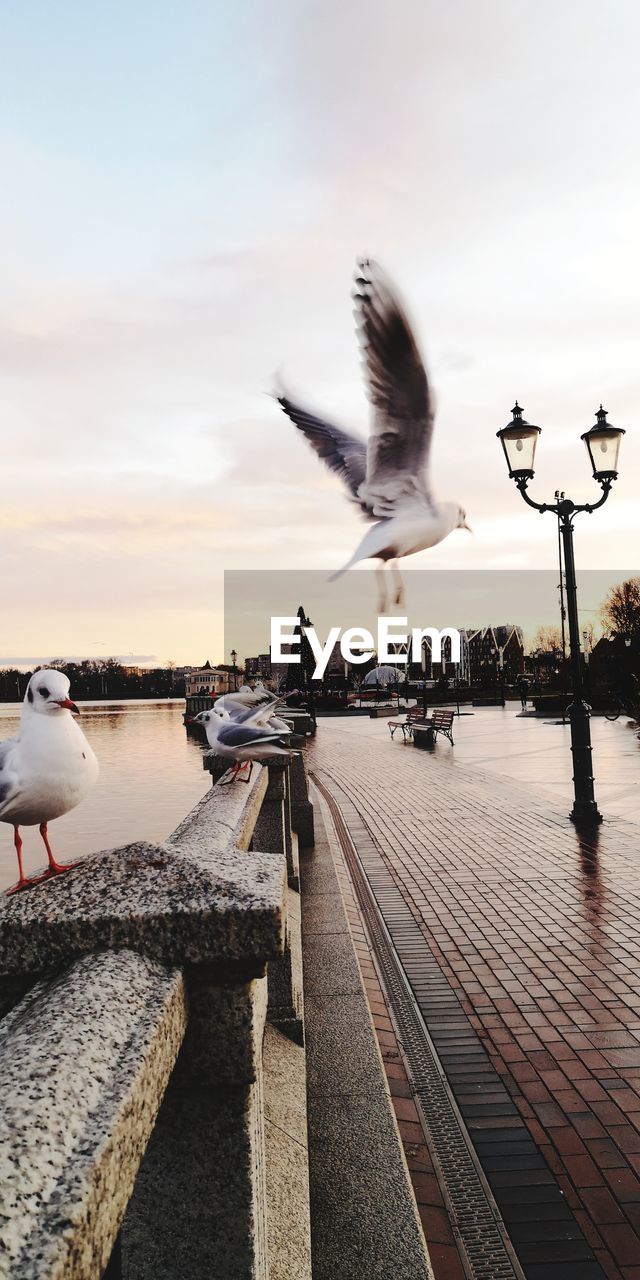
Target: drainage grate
<point>484,1243</point>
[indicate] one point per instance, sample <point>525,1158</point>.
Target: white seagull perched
<point>242,739</point>
<point>387,476</point>
<point>47,769</point>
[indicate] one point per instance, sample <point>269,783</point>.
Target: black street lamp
<point>501,670</point>
<point>235,672</point>
<point>494,672</point>
<point>519,439</point>
<point>423,664</point>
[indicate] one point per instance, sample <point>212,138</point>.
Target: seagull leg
<point>399,584</point>
<point>382,589</point>
<point>22,883</point>
<point>55,868</point>
<point>250,764</point>
<point>230,775</point>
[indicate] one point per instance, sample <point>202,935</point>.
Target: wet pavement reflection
<point>535,927</point>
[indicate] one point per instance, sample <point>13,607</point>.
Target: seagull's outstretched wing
<point>262,716</point>
<point>343,453</point>
<point>402,426</point>
<point>245,700</point>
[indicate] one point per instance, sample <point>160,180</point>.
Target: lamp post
<point>563,613</point>
<point>235,672</point>
<point>494,672</point>
<point>519,439</point>
<point>501,669</point>
<point>585,649</point>
<point>423,664</point>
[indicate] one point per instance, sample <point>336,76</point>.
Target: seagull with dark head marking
<point>388,475</point>
<point>47,769</point>
<point>242,738</point>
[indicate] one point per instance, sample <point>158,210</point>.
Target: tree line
<point>619,619</point>
<point>100,679</point>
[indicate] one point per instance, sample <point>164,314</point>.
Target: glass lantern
<point>603,446</point>
<point>519,439</point>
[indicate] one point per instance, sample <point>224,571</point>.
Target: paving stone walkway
<point>529,980</point>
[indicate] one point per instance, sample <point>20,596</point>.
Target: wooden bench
<point>440,721</point>
<point>425,734</point>
<point>414,716</point>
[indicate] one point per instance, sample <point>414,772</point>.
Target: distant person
<point>523,690</point>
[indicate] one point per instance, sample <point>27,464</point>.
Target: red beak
<point>66,702</point>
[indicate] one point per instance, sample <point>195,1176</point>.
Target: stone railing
<point>139,994</point>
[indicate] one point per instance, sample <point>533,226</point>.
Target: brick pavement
<point>537,934</point>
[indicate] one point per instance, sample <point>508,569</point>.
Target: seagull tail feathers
<point>375,540</point>
<point>333,577</point>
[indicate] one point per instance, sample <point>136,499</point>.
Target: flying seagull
<point>388,475</point>
<point>47,769</point>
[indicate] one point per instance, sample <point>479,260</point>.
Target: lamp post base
<point>585,811</point>
<point>586,815</point>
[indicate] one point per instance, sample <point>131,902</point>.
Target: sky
<point>186,189</point>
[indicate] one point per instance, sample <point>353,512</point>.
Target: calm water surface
<point>150,776</point>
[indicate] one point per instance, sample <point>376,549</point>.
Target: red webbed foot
<point>27,882</point>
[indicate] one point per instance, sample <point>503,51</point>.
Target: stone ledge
<point>78,1109</point>
<point>226,814</point>
<point>155,899</point>
<point>197,899</point>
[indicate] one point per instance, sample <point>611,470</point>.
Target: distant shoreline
<point>111,701</point>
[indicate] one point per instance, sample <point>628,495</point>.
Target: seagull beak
<point>467,527</point>
<point>70,706</point>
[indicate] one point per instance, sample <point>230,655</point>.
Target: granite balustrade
<point>136,992</point>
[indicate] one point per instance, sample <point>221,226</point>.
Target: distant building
<point>335,664</point>
<point>209,680</point>
<point>435,670</point>
<point>258,668</point>
<point>484,648</point>
<point>513,655</point>
<point>611,660</point>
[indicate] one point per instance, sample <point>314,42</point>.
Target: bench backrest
<point>415,713</point>
<point>441,719</point>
